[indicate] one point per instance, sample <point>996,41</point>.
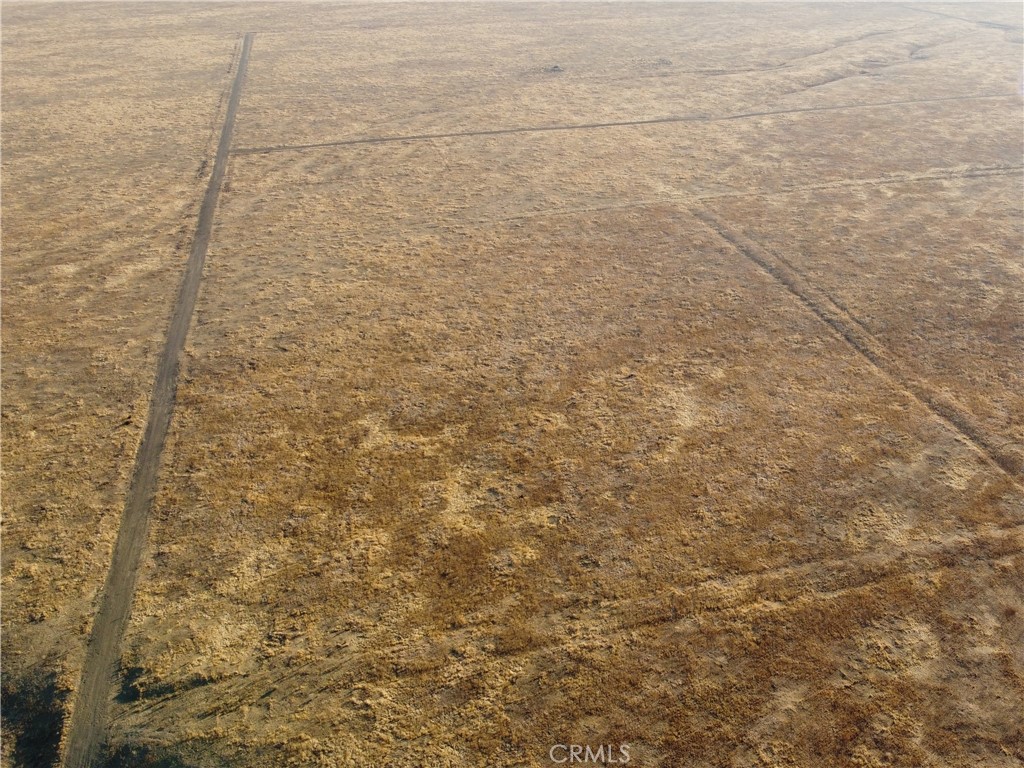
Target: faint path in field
<point>979,22</point>
<point>852,330</point>
<point>596,126</point>
<point>89,718</point>
<point>944,174</point>
<point>689,198</point>
<point>821,580</point>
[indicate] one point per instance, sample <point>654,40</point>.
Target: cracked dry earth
<point>702,435</point>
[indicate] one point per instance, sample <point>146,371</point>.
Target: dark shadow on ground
<point>33,716</point>
<point>190,754</point>
<point>133,756</point>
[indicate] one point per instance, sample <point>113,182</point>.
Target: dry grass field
<point>594,374</point>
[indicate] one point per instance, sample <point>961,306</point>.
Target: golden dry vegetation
<point>703,436</point>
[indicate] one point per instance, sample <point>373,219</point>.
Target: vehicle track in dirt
<point>978,22</point>
<point>87,731</point>
<point>945,408</point>
<point>598,126</point>
<point>740,591</point>
<point>696,197</point>
<point>945,174</point>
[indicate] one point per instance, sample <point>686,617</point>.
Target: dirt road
<point>88,721</point>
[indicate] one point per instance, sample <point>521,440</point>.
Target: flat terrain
<point>641,374</point>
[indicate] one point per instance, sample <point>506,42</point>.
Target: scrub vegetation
<point>593,374</point>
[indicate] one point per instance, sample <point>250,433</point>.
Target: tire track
<point>943,174</point>
<point>842,322</point>
<point>948,174</point>
<point>707,596</point>
<point>87,730</point>
<point>978,22</point>
<point>597,126</point>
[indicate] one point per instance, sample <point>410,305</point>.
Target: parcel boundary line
<point>851,330</point>
<point>598,126</point>
<point>87,730</point>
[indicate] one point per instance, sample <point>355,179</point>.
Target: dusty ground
<point>702,436</point>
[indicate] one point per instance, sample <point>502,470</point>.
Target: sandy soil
<point>488,443</point>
